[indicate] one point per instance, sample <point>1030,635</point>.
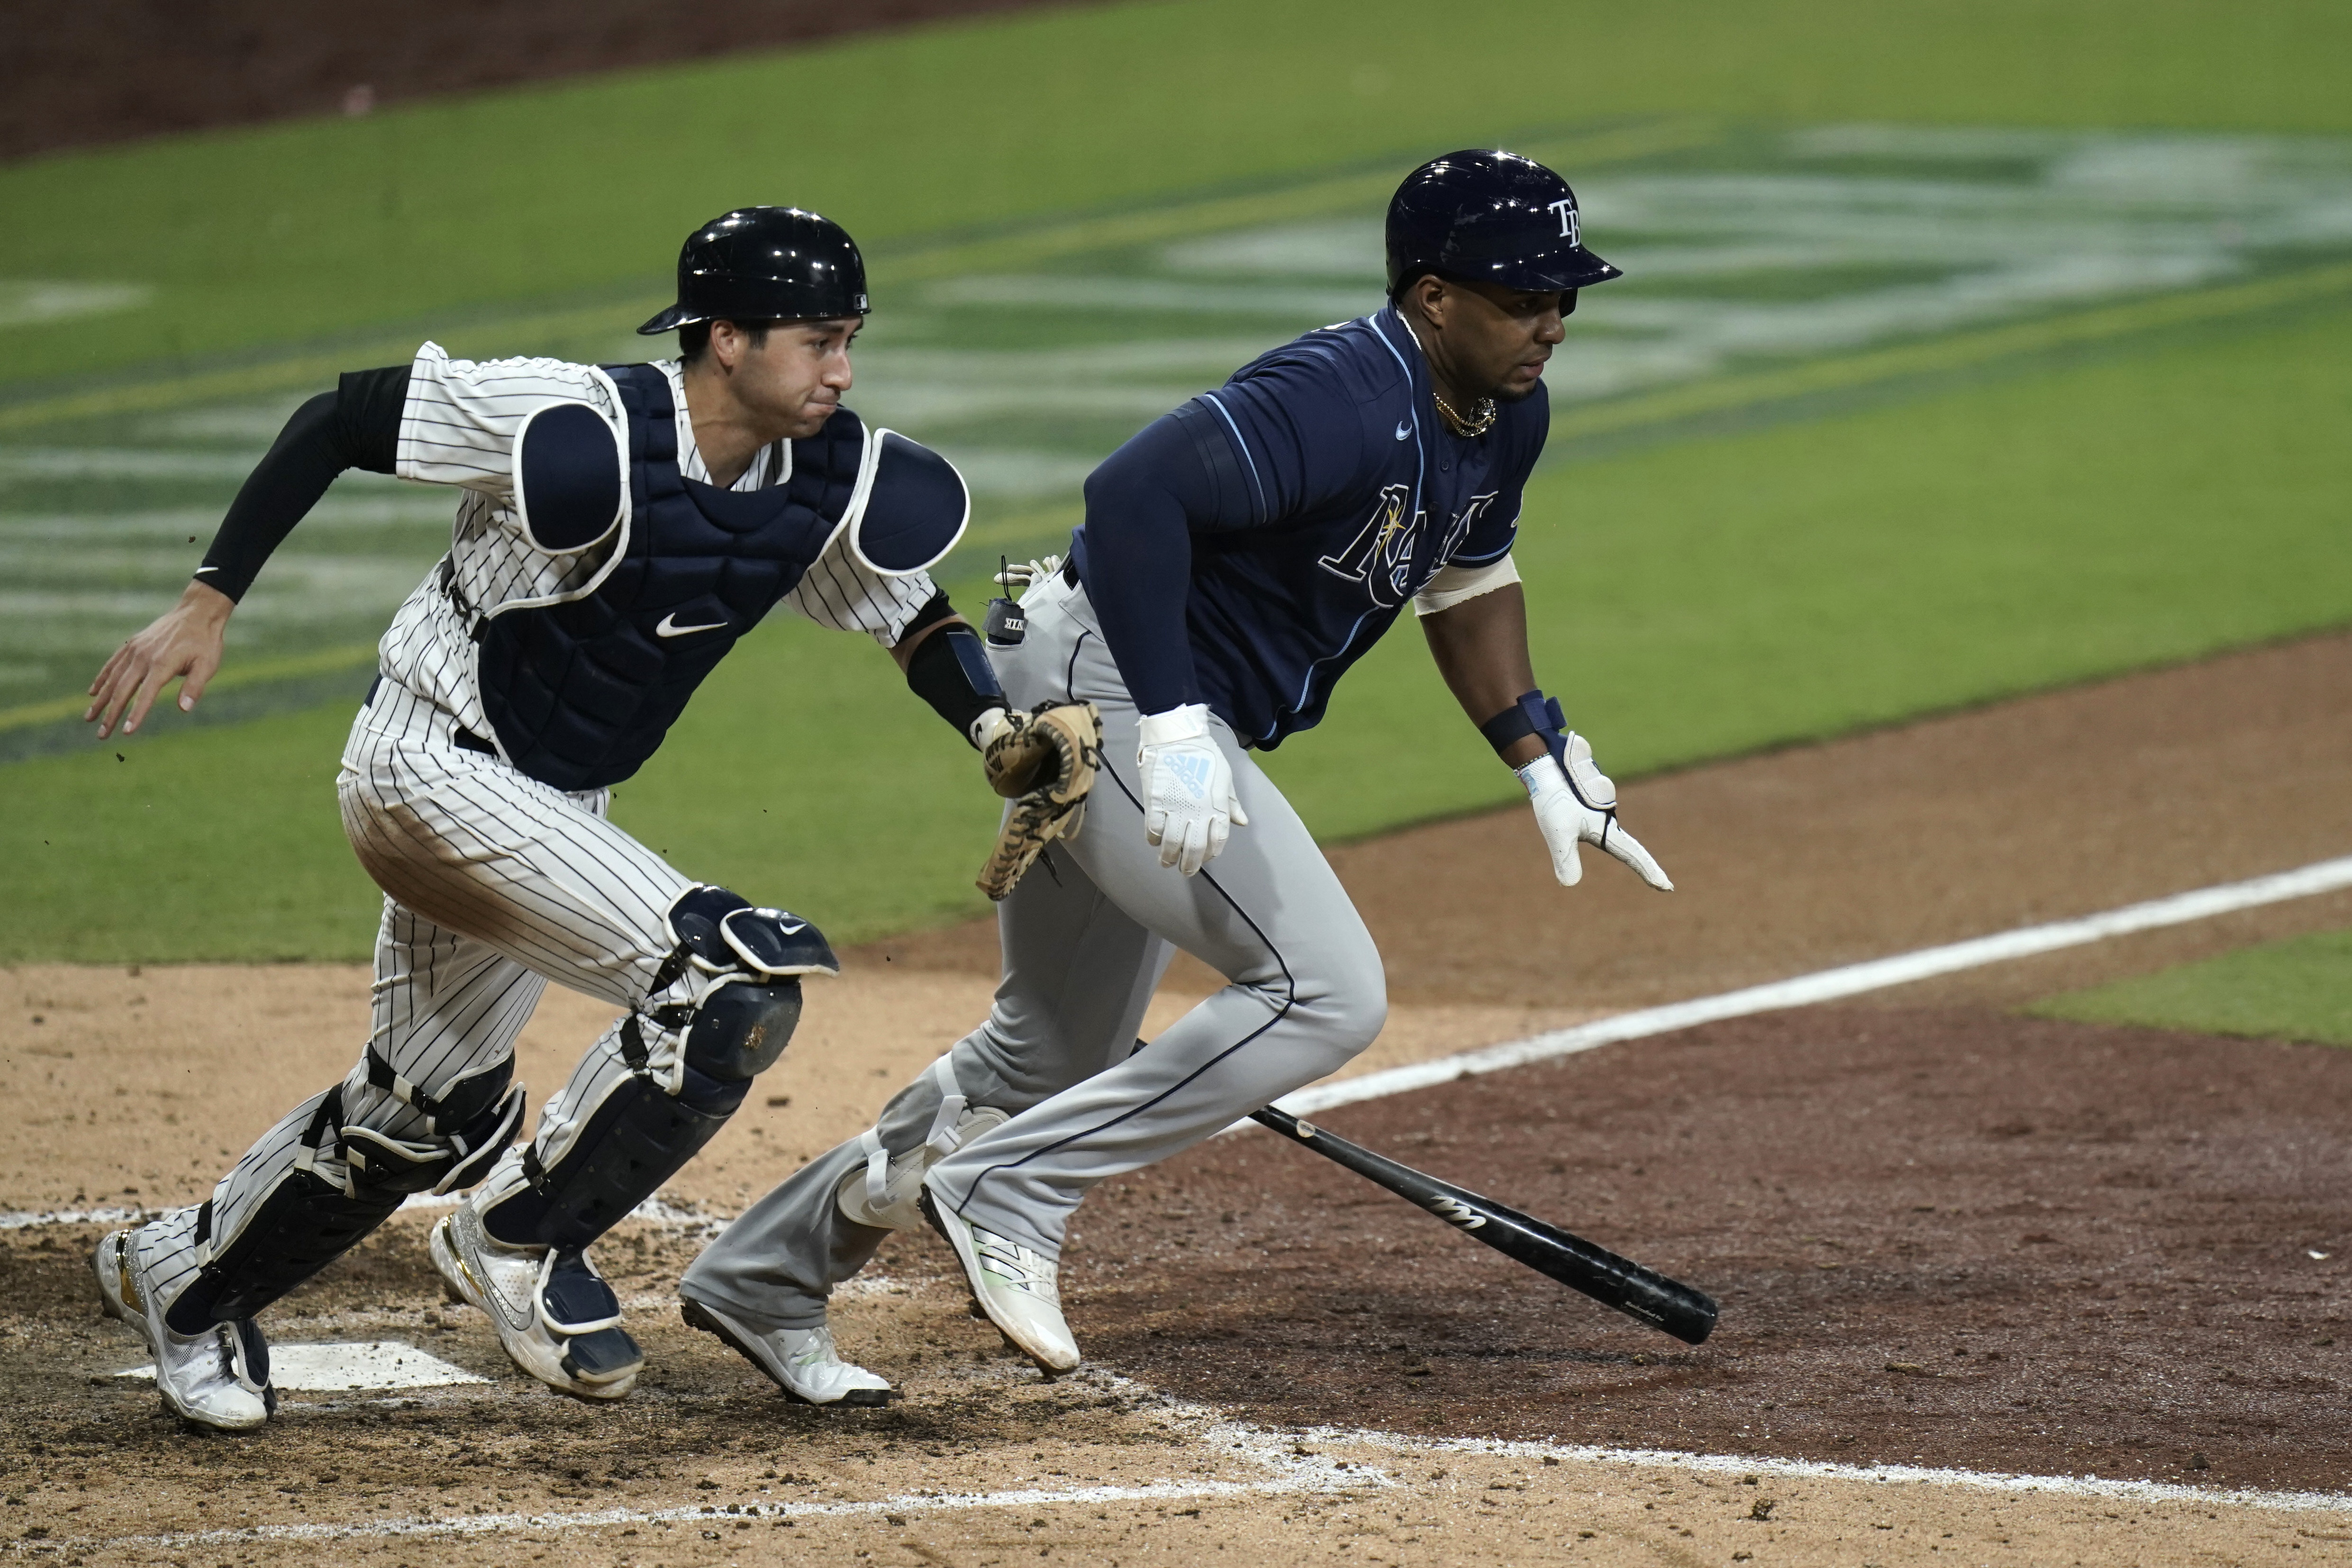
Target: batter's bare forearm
<point>1481,649</point>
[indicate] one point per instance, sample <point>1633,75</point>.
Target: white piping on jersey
<point>1265,506</point>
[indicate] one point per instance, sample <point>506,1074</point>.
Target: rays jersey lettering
<point>1329,469</point>
<point>1383,555</point>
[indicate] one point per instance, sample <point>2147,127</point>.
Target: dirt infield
<point>2117,1228</point>
<point>1944,1237</point>
<point>111,70</point>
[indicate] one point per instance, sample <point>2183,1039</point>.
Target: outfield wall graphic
<point>1744,252</point>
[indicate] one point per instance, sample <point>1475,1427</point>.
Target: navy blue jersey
<point>1335,493</point>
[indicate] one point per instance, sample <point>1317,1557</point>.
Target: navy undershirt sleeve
<point>357,425</point>
<point>1175,477</point>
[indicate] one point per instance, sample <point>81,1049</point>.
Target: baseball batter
<point>620,527</point>
<point>1236,556</point>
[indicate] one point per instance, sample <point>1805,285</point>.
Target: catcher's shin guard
<point>316,1213</point>
<point>736,972</point>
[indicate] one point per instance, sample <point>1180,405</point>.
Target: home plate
<point>339,1368</point>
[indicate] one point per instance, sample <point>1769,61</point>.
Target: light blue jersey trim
<point>1419,468</point>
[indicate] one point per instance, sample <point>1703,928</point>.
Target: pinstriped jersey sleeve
<point>840,591</point>
<point>458,424</point>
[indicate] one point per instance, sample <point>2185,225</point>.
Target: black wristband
<point>1534,714</point>
<point>950,671</point>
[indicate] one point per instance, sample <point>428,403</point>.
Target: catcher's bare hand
<point>184,641</point>
<point>1578,804</point>
<point>1044,761</point>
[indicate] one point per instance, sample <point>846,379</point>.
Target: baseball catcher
<point>620,527</point>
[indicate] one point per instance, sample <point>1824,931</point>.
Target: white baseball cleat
<point>555,1316</point>
<point>802,1361</point>
<point>1016,1289</point>
<point>219,1378</point>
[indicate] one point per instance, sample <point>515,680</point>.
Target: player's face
<point>1500,338</point>
<point>796,380</point>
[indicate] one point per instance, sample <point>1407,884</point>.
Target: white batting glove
<point>1189,805</point>
<point>1579,805</point>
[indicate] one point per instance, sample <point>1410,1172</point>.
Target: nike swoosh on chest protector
<point>668,627</point>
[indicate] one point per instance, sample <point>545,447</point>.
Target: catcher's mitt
<point>1044,761</point>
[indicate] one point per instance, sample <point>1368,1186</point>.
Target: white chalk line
<point>1824,1469</point>
<point>1803,990</point>
<point>1829,984</point>
<point>350,1366</point>
<point>653,1211</point>
<point>1294,1468</point>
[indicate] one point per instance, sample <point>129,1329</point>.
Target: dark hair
<point>694,338</point>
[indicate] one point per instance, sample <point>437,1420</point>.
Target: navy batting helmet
<point>1489,217</point>
<point>765,264</point>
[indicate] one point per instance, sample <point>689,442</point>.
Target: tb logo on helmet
<point>1566,208</point>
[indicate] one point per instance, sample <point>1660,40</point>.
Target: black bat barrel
<point>1667,1304</point>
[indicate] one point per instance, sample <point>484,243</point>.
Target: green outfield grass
<point>288,232</point>
<point>1692,600</point>
<point>2297,989</point>
<point>2137,476</point>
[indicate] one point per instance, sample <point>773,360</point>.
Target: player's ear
<point>727,341</point>
<point>1430,293</point>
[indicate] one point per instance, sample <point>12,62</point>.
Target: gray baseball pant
<point>1087,936</point>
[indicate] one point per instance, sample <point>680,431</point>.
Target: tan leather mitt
<point>1044,761</point>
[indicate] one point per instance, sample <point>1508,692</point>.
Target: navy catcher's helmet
<point>1489,217</point>
<point>765,264</point>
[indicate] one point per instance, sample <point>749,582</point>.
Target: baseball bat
<point>1679,1310</point>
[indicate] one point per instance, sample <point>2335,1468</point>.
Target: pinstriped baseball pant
<point>495,884</point>
<point>1085,943</point>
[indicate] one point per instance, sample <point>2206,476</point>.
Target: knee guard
<point>735,977</point>
<point>881,1192</point>
<point>312,1216</point>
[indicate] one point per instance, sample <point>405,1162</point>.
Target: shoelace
<point>1007,1260</point>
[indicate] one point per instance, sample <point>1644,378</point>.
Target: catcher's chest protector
<point>581,693</point>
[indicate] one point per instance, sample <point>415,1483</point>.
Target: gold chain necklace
<point>1481,419</point>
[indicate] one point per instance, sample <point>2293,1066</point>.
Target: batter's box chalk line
<point>367,1364</point>
<point>1829,985</point>
<point>1289,1467</point>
